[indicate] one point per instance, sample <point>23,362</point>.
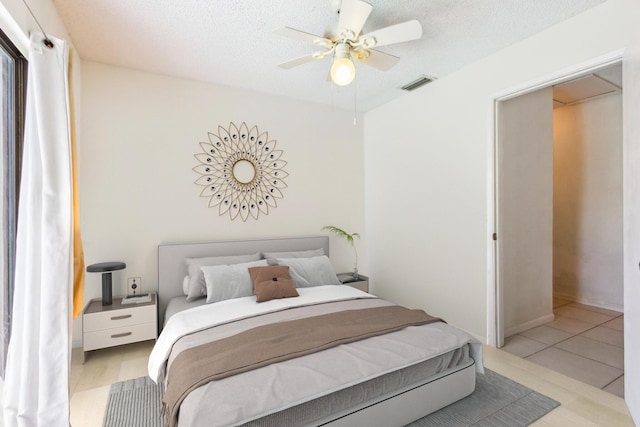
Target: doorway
<point>558,263</point>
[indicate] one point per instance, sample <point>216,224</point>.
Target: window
<point>12,111</point>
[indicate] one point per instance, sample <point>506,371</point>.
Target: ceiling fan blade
<point>298,61</point>
<point>410,30</point>
<point>301,35</point>
<point>353,15</point>
<point>379,60</point>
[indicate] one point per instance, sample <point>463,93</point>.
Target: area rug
<point>496,401</point>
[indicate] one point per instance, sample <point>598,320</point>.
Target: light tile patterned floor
<point>583,342</point>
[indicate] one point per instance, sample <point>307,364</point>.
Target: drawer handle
<point>126,316</point>
<point>124,334</point>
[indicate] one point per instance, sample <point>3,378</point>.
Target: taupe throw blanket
<point>277,342</point>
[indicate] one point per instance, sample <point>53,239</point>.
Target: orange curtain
<point>78,252</point>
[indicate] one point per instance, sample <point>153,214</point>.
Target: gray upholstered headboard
<point>172,268</point>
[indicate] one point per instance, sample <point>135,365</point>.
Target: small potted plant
<point>350,238</point>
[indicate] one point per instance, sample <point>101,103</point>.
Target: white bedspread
<point>208,315</point>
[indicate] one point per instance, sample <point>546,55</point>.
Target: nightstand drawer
<point>119,336</point>
<point>119,318</point>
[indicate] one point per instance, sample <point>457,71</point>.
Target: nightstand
<point>361,283</point>
<point>117,324</point>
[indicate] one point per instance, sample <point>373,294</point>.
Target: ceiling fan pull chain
<point>333,96</point>
<point>355,103</point>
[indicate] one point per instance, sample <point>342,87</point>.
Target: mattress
<point>314,411</point>
<point>310,388</point>
<point>178,304</point>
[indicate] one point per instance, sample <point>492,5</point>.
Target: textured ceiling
<point>230,42</point>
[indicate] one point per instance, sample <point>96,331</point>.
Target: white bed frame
<point>398,409</point>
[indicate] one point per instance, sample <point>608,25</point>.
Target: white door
<point>525,212</point>
<point>631,219</point>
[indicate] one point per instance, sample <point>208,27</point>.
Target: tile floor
<point>583,342</point>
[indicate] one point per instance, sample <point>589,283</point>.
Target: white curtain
<point>36,391</point>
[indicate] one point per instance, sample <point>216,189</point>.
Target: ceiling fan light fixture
<point>347,42</point>
<point>342,71</point>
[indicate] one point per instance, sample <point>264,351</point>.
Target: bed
<point>389,376</point>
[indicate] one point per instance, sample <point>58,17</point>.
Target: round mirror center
<point>244,171</point>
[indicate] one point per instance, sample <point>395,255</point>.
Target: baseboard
<point>587,301</point>
<point>529,325</point>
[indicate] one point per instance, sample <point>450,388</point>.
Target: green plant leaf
<point>349,238</point>
<point>340,232</point>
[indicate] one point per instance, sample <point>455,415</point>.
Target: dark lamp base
<point>107,295</point>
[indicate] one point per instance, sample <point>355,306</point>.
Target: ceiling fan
<point>348,43</point>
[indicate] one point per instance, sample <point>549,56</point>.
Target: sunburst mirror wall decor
<point>241,171</point>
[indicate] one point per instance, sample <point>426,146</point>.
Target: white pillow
<point>197,287</point>
<point>229,281</point>
<point>185,285</point>
<point>271,256</point>
<point>307,272</point>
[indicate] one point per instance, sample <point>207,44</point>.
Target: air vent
<point>417,83</point>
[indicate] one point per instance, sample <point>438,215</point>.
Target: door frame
<point>495,328</point>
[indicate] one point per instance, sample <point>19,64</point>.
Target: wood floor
<point>582,405</point>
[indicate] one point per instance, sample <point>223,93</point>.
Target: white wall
<point>525,210</point>
<point>140,134</point>
<point>587,240</point>
<point>426,157</point>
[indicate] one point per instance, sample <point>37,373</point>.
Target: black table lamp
<point>106,268</point>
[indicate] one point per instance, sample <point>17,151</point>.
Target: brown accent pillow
<point>272,282</point>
